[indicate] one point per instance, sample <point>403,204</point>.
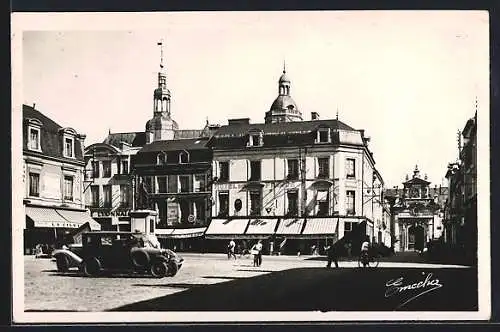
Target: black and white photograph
<point>252,166</point>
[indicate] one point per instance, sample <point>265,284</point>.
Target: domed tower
<point>283,108</point>
<point>161,126</point>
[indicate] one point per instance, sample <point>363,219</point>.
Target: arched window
<point>183,157</point>
<point>161,158</point>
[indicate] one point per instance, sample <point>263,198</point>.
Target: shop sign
<point>228,186</point>
<point>56,224</point>
<point>117,213</point>
<point>172,213</point>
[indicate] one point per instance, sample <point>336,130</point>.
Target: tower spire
<point>284,67</point>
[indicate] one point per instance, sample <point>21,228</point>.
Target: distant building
<point>461,206</point>
<point>418,212</point>
<point>294,184</point>
<point>53,178</point>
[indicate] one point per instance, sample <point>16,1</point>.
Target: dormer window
<point>183,157</point>
<point>256,139</point>
<point>34,140</point>
<point>323,135</point>
<point>34,135</point>
<point>69,147</point>
<point>68,142</point>
<point>161,158</point>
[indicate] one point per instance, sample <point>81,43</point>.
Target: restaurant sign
<point>109,213</point>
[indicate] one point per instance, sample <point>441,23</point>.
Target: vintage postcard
<point>250,166</point>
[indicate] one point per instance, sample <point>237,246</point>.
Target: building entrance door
<point>416,237</point>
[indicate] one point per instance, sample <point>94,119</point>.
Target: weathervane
<point>160,43</point>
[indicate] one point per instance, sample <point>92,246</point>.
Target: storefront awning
<point>57,218</point>
<point>80,217</point>
<point>224,227</point>
<point>48,217</point>
<point>290,227</point>
<point>261,226</point>
<point>183,233</point>
<point>320,226</point>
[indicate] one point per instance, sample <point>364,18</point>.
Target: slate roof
<point>176,145</point>
<point>416,181</point>
<point>187,133</point>
<point>294,127</point>
<point>296,133</point>
<point>50,138</point>
<point>138,139</point>
<point>135,139</point>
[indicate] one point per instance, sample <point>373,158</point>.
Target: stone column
<point>141,221</point>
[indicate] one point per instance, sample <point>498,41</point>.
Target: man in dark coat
<point>332,256</point>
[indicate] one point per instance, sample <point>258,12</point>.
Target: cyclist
<point>365,246</point>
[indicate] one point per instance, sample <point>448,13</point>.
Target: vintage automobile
<point>118,251</point>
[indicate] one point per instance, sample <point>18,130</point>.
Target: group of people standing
<point>256,251</point>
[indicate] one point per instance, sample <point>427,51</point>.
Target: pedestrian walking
<point>331,253</point>
<point>230,249</point>
<point>256,251</point>
<point>365,246</point>
<point>258,246</point>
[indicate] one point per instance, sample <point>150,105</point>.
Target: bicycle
<point>371,260</point>
<point>244,253</point>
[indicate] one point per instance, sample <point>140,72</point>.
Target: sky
<point>409,79</point>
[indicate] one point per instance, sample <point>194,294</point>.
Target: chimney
<point>314,116</point>
<point>238,122</point>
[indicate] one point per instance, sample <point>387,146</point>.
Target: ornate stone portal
<point>417,214</point>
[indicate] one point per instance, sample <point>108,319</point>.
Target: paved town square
<point>212,282</point>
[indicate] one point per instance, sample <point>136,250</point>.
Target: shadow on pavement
<point>51,310</point>
<point>306,289</point>
<point>399,257</point>
<point>105,275</point>
<point>172,285</point>
<point>223,277</point>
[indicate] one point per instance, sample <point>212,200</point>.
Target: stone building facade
<point>295,184</point>
<point>418,212</point>
<point>461,206</point>
<point>108,181</point>
<point>53,172</point>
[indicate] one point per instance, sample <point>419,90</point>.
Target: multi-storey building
<point>53,179</point>
<point>418,212</point>
<point>461,206</point>
<point>294,183</point>
<point>108,179</point>
<point>173,178</point>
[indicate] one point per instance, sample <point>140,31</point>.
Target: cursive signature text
<point>396,286</point>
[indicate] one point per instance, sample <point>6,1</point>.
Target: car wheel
<point>62,263</point>
<point>140,259</point>
<point>91,267</point>
<point>172,269</point>
<point>159,269</point>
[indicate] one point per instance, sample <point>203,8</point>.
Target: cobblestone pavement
<point>48,290</point>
